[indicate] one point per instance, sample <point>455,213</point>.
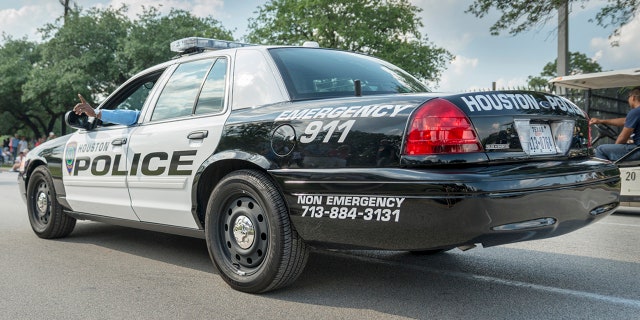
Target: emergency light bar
<point>196,44</point>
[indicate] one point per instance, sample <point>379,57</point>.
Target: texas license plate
<point>540,139</point>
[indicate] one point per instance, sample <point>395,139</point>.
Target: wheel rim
<point>244,233</point>
<point>41,204</point>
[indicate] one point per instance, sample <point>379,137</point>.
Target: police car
<point>266,151</point>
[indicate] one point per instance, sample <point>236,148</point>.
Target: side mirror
<point>79,121</point>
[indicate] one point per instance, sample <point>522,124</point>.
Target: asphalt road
<point>109,272</point>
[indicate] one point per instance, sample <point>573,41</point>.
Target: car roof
<point>600,80</point>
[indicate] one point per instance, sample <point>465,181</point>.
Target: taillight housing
<point>439,127</point>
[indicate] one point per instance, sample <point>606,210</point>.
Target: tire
<point>46,216</point>
<point>249,235</point>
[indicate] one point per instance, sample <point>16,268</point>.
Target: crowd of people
<point>15,148</point>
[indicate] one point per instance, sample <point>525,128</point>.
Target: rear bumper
<point>428,209</point>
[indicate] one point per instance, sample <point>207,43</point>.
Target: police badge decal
<point>70,156</point>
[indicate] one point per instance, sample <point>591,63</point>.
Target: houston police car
<point>265,151</point>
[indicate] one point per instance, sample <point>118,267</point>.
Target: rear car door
<point>177,136</point>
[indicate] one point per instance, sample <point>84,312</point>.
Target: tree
<point>92,53</point>
<point>148,41</point>
<point>388,29</point>
<point>522,15</point>
<point>579,63</point>
<point>17,58</point>
<point>81,56</point>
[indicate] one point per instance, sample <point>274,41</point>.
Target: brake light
<point>440,127</point>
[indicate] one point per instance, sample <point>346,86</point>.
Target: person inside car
<point>117,116</point>
<point>631,130</point>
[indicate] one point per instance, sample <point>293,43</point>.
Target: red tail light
<point>440,127</point>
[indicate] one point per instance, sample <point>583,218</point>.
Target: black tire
<point>249,234</point>
<point>46,216</point>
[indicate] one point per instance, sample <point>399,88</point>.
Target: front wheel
<point>45,213</point>
<point>249,234</point>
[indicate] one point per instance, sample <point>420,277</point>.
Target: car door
<point>179,134</point>
<point>95,163</point>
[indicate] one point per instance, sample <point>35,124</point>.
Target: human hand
<point>84,107</point>
<point>594,121</point>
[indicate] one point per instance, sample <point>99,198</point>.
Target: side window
<point>136,100</point>
<point>212,95</point>
<point>179,95</point>
<point>133,95</point>
<point>254,81</point>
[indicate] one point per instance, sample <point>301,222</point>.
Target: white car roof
<point>600,80</point>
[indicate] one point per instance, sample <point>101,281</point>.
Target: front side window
<point>136,100</point>
<point>311,73</point>
<point>178,97</point>
<point>133,95</point>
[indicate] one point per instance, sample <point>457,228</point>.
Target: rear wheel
<point>45,213</point>
<point>249,235</point>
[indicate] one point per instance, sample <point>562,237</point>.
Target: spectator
<point>18,163</point>
<point>22,144</point>
<point>13,145</point>
<point>5,155</point>
<point>51,136</point>
<point>40,141</point>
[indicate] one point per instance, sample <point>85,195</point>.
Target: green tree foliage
<point>387,29</point>
<point>17,58</point>
<point>522,15</point>
<point>91,53</point>
<point>579,63</point>
<point>148,41</point>
<point>80,57</point>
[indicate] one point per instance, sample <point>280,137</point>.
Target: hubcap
<point>41,205</point>
<point>244,232</point>
<point>42,202</point>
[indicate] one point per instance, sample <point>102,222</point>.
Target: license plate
<point>540,139</point>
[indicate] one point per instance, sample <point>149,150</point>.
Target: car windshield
<point>312,73</point>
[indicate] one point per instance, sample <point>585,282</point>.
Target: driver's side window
<point>134,95</point>
<point>136,100</point>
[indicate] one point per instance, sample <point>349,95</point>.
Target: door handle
<point>198,135</point>
<point>119,141</point>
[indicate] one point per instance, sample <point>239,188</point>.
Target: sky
<point>480,58</point>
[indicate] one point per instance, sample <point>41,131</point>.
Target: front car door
<point>95,165</point>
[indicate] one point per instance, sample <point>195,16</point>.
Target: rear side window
<point>178,97</point>
<point>211,99</point>
<point>312,73</point>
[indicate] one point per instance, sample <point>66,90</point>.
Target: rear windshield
<point>312,73</point>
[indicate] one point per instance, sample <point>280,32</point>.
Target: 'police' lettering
<point>180,163</point>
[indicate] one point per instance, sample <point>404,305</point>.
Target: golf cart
<point>619,82</point>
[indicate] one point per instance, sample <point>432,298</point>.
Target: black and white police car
<point>267,150</point>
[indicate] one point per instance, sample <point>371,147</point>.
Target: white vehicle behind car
<point>626,78</point>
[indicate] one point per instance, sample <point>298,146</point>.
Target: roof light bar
<point>196,44</point>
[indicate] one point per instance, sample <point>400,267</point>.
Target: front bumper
<point>411,209</point>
